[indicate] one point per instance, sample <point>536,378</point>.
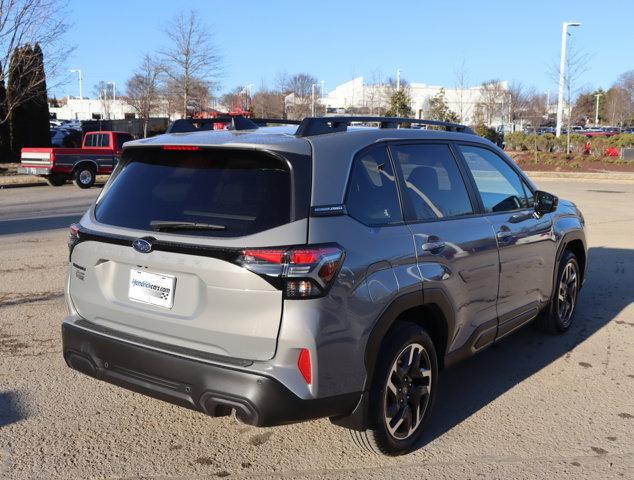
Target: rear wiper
<point>166,225</point>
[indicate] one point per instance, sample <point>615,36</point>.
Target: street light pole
<point>562,73</point>
<point>81,79</point>
<point>596,113</point>
<point>398,79</point>
<point>321,93</point>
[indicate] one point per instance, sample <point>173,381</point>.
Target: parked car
<point>65,137</point>
<point>98,155</point>
<point>287,274</point>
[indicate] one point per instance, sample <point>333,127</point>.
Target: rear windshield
<point>234,192</point>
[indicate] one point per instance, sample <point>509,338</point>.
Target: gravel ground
<point>533,407</point>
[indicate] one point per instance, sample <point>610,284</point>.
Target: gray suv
<point>330,269</point>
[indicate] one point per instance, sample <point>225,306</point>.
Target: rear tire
<point>561,310</point>
<point>56,179</point>
<point>85,176</point>
<point>402,392</point>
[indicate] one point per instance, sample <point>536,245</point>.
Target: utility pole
<point>312,94</point>
<point>81,79</point>
<point>562,73</point>
<point>596,113</point>
<point>547,92</point>
<point>398,79</point>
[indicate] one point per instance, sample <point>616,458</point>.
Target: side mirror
<point>545,202</point>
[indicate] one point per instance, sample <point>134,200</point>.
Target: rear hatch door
<point>157,255</point>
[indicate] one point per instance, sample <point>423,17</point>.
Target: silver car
<point>327,270</point>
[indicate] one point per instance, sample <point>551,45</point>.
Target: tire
<point>561,310</point>
<point>56,179</point>
<point>85,176</point>
<point>396,427</point>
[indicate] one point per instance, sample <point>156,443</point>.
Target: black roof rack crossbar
<point>322,125</point>
<point>238,122</point>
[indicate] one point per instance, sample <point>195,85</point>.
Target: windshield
<point>238,192</point>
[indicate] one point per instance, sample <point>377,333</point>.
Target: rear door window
<point>433,183</point>
<point>237,192</point>
<point>372,196</point>
<point>90,140</point>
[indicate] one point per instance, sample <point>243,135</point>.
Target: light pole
<point>596,112</point>
<point>312,94</point>
<point>81,79</point>
<point>562,73</point>
<point>398,79</point>
<point>114,91</point>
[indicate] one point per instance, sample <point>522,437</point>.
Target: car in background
<point>98,155</point>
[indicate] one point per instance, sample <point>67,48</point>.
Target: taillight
<point>306,272</point>
<point>73,238</point>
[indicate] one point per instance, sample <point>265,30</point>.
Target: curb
<point>614,176</point>
<point>20,181</point>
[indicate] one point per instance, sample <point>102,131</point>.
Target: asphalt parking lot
<point>532,407</point>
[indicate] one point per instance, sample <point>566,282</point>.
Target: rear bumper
<point>34,170</point>
<point>210,388</point>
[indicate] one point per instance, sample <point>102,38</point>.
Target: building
<point>470,104</point>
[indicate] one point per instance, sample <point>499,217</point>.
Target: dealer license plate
<point>151,288</point>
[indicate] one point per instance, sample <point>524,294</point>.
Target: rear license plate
<point>151,288</point>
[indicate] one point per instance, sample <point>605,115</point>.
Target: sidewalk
<point>17,181</point>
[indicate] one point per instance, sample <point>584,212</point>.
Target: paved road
<point>533,407</point>
<point>32,209</point>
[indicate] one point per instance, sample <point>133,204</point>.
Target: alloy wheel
<point>567,293</point>
<point>408,391</point>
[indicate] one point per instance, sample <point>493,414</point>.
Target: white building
<point>374,98</point>
<point>92,109</point>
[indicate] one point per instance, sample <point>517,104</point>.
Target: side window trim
<point>409,214</point>
<point>515,169</point>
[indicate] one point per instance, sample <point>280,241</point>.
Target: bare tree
<point>618,105</point>
<point>464,94</point>
<point>534,109</point>
<point>192,60</point>
<point>28,22</point>
<point>518,100</point>
<point>492,101</point>
<point>268,104</point>
<point>105,93</point>
<point>299,90</point>
<point>143,90</point>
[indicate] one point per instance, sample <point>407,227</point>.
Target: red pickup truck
<point>98,155</point>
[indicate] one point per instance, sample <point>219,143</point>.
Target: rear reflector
<point>181,147</point>
<point>304,365</point>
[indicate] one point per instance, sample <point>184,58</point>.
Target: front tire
<point>402,392</point>
<point>85,176</point>
<point>565,295</point>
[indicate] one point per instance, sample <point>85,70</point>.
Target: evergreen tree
<point>5,142</point>
<point>18,119</point>
<point>439,110</point>
<point>400,104</point>
<point>40,119</point>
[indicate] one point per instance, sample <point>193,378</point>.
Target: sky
<point>338,40</point>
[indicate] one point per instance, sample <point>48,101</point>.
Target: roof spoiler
<point>322,125</point>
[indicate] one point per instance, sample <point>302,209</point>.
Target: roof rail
<point>322,125</point>
<point>238,122</point>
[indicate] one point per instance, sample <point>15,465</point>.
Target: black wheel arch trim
<point>432,297</point>
<point>566,238</point>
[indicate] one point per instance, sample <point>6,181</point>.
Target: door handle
<point>504,232</point>
<point>433,247</point>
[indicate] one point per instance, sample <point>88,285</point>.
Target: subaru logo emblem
<point>142,245</point>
